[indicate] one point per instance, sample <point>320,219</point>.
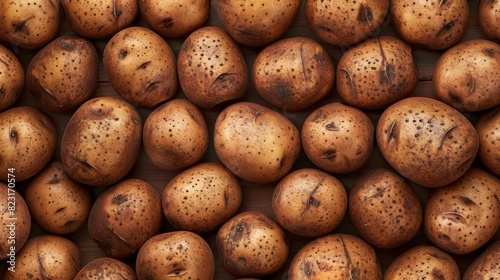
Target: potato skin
<point>11,78</point>
<point>426,141</point>
<point>488,129</point>
<point>489,23</point>
<point>486,265</point>
<point>109,268</point>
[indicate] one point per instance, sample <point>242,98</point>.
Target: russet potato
<point>11,78</point>
<point>488,130</point>
<point>106,268</point>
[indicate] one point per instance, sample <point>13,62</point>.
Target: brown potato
<point>11,78</point>
<point>101,141</point>
<point>201,198</point>
<point>211,67</point>
<point>489,22</point>
<point>427,141</point>
<point>338,138</point>
<point>252,245</point>
<point>376,73</point>
<point>486,265</point>
<point>293,73</point>
<point>106,268</point>
<point>464,215</point>
<point>63,74</point>
<point>309,202</point>
<point>488,129</point>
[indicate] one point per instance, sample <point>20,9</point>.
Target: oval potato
<point>12,78</point>
<point>107,268</point>
<point>489,22</point>
<point>488,130</point>
<point>486,265</point>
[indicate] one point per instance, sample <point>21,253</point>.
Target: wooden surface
<point>258,197</point>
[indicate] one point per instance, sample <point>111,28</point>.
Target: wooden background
<point>258,197</point>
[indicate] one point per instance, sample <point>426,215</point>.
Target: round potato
<point>293,73</point>
<point>486,265</point>
<point>106,268</point>
<point>427,141</point>
<point>488,129</point>
<point>11,78</point>
<point>338,138</point>
<point>101,141</point>
<point>489,22</point>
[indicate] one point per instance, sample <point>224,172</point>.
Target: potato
<point>250,244</point>
<point>293,73</point>
<point>124,217</point>
<point>434,24</point>
<point>28,141</point>
<point>175,135</point>
<point>175,18</point>
<point>11,78</point>
<point>211,67</point>
<point>15,222</point>
<point>46,257</point>
<point>486,265</point>
<point>201,198</point>
<point>338,138</point>
<point>467,76</point>
<point>63,74</point>
<point>106,268</point>
<point>179,254</point>
<point>421,262</point>
<point>384,209</point>
<point>256,143</point>
<point>335,256</point>
<point>489,22</point>
<point>309,202</point>
<point>29,24</point>
<point>57,203</point>
<point>345,23</point>
<point>98,19</point>
<point>426,141</point>
<point>376,73</point>
<point>464,215</point>
<point>258,22</point>
<point>488,130</point>
<point>101,141</point>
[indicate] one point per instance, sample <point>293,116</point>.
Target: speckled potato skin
<point>309,202</point>
<point>293,73</point>
<point>421,262</point>
<point>486,265</point>
<point>211,67</point>
<point>335,256</point>
<point>432,24</point>
<point>106,268</point>
<point>46,257</point>
<point>11,202</point>
<point>256,143</point>
<point>101,141</point>
<point>489,22</point>
<point>175,18</point>
<point>29,24</point>
<point>175,135</point>
<point>63,91</point>
<point>252,245</point>
<point>201,198</point>
<point>98,19</point>
<point>376,73</point>
<point>461,217</point>
<point>11,78</point>
<point>177,254</point>
<point>141,66</point>
<point>384,209</point>
<point>258,22</point>
<point>427,141</point>
<point>467,76</point>
<point>488,129</point>
<point>344,23</point>
<point>28,141</point>
<point>58,204</point>
<point>338,138</point>
<point>124,217</point>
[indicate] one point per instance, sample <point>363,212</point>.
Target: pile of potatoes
<point>293,139</point>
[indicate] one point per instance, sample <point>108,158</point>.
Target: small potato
<point>338,138</point>
<point>335,256</point>
<point>124,217</point>
<point>175,135</point>
<point>467,76</point>
<point>201,198</point>
<point>486,265</point>
<point>488,129</point>
<point>176,254</point>
<point>384,209</point>
<point>252,245</point>
<point>427,141</point>
<point>63,74</point>
<point>489,22</point>
<point>256,143</point>
<point>421,262</point>
<point>464,215</point>
<point>11,78</point>
<point>211,67</point>
<point>106,268</point>
<point>309,202</point>
<point>376,73</point>
<point>293,73</point>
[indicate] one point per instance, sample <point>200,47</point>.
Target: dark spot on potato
<point>307,268</point>
<point>151,86</point>
<point>239,231</point>
<point>242,261</point>
<point>438,274</point>
<point>59,210</point>
<point>283,93</point>
<point>13,135</point>
<point>365,14</point>
<point>330,155</point>
<point>21,27</point>
<point>392,132</point>
<point>143,65</point>
<point>122,54</point>
<point>332,127</point>
<point>489,52</point>
<point>167,23</point>
<point>55,180</point>
<point>445,30</point>
<point>387,74</point>
<point>453,216</point>
<point>67,46</point>
<point>466,200</point>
